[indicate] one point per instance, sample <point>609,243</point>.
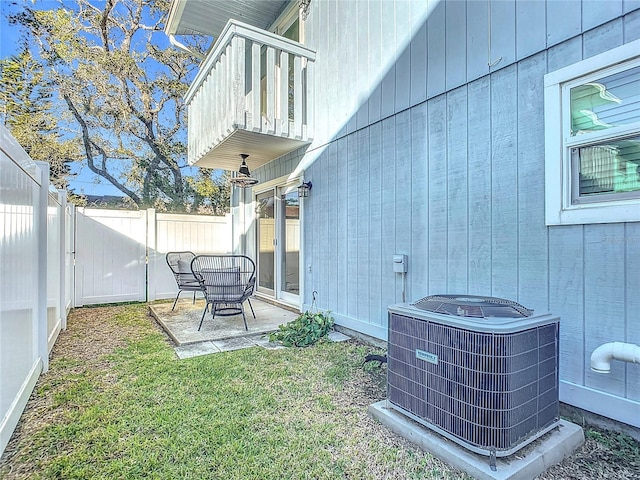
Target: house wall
<point>442,158</point>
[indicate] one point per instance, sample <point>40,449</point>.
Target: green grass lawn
<point>117,403</point>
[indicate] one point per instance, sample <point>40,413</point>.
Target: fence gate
<point>110,256</point>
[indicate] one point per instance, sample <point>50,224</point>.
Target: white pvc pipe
<point>602,356</point>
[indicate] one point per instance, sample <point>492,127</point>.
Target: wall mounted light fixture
<point>303,190</point>
<point>243,177</point>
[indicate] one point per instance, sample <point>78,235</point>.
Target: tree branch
<point>88,147</point>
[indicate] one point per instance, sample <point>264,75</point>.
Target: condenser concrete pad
<point>525,464</point>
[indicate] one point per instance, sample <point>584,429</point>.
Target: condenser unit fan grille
<point>472,306</point>
<point>487,391</point>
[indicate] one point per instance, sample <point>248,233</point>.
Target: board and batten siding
<point>441,157</point>
<point>379,57</point>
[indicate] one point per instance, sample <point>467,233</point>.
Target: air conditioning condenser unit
<point>481,371</point>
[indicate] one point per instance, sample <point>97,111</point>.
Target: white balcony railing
<point>251,81</point>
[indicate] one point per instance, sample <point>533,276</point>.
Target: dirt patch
<point>604,455</point>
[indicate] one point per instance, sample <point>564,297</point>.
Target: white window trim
<point>286,19</point>
<point>559,209</point>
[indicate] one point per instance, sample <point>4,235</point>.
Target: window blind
<point>609,167</point>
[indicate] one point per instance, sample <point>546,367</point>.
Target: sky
<point>84,182</point>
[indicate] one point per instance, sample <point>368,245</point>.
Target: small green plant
<point>305,330</point>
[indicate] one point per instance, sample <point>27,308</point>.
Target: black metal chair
<point>227,281</point>
<point>180,265</point>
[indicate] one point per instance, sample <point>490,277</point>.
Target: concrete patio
<point>181,324</point>
<point>222,333</point>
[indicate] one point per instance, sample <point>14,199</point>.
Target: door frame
<point>281,217</point>
<point>277,186</point>
<point>263,290</point>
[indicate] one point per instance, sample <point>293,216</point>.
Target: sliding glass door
<point>266,239</point>
<point>278,243</point>
<point>289,245</point>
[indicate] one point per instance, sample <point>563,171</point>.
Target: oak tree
<point>122,85</point>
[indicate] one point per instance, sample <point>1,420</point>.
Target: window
<point>592,139</point>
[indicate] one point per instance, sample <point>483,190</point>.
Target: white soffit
<point>260,147</point>
<point>209,17</point>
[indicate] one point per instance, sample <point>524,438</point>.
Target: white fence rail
<point>55,263</point>
<point>119,256</point>
<point>69,254</point>
<point>170,232</point>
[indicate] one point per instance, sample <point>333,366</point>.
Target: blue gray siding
<point>443,160</point>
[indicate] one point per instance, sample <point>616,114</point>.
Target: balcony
<point>254,95</point>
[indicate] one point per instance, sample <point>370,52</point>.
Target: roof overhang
<point>209,17</point>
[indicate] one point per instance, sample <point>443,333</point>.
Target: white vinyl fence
<point>54,257</point>
<point>34,264</point>
<point>110,256</point>
<point>171,232</point>
<point>120,255</point>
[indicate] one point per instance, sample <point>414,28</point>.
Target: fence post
<point>40,220</point>
<point>62,253</point>
<point>77,283</point>
<point>71,245</point>
<point>152,274</point>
